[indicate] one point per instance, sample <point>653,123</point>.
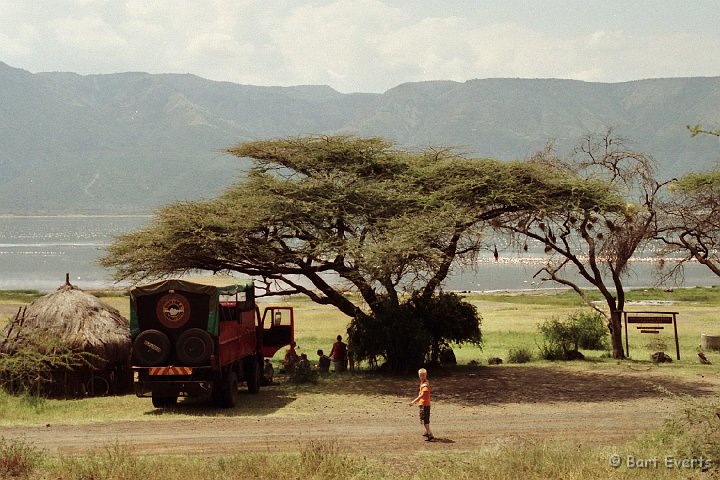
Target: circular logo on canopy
<point>173,310</point>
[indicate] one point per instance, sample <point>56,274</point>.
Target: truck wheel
<point>194,347</point>
<point>151,347</point>
<point>253,374</point>
<point>228,397</point>
<point>162,401</point>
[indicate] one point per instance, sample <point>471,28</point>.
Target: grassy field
<point>509,321</point>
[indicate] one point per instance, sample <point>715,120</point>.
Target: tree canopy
<point>336,216</point>
<point>690,220</point>
<point>690,223</point>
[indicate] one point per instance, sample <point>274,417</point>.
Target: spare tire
<point>151,347</point>
<point>194,347</point>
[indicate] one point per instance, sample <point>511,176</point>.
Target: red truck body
<point>202,336</point>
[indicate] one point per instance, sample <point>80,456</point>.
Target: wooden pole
<point>677,343</point>
<point>627,345</point>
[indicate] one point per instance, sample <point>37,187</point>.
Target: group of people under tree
<point>341,355</point>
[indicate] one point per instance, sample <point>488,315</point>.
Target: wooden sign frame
<point>651,322</point>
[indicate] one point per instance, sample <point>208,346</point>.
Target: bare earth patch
<point>370,414</point>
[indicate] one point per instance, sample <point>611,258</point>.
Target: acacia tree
<point>332,217</point>
<point>690,220</point>
<point>596,240</point>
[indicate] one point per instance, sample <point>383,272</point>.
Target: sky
<point>365,45</point>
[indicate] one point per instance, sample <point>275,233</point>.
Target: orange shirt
<point>425,394</point>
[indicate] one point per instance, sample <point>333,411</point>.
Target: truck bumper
<point>181,388</point>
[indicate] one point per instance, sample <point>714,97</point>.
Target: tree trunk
<point>615,326</point>
<point>435,353</point>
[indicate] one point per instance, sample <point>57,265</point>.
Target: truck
<point>202,336</point>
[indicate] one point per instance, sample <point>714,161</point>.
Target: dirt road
<point>491,405</point>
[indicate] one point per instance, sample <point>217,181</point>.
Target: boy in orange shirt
<point>423,400</point>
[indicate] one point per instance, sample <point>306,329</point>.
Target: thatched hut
<point>78,325</point>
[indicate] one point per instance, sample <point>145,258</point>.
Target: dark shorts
<point>425,414</point>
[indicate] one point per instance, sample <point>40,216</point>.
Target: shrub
<point>520,355</point>
<point>29,360</point>
<point>592,330</point>
<point>393,334</point>
<point>410,334</point>
<point>18,459</point>
<point>114,461</point>
<point>578,330</point>
<point>550,351</point>
<point>559,337</point>
<point>692,432</point>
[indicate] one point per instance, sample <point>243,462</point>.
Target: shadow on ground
<point>269,400</point>
<point>517,384</point>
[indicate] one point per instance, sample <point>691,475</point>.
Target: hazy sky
<point>365,45</point>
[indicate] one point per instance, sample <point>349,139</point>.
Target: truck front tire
<point>253,374</point>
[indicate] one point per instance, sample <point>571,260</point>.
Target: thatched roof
<point>80,320</point>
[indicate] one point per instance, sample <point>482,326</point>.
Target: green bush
<point>592,330</point>
<point>28,364</point>
<point>411,334</point>
<point>550,351</point>
<point>579,330</point>
<point>520,355</point>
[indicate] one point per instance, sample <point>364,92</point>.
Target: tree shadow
<point>519,384</point>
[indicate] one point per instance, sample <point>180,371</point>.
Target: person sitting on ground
<point>338,355</point>
<point>303,365</point>
<point>323,365</point>
<point>291,358</point>
<point>268,371</point>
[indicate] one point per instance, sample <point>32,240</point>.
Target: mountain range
<point>130,142</point>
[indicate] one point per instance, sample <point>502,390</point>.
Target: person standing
<point>338,355</point>
<point>423,400</point>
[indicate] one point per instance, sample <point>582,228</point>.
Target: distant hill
<point>127,143</point>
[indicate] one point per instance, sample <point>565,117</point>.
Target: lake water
<point>36,252</point>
